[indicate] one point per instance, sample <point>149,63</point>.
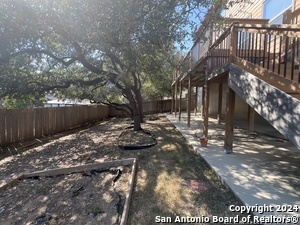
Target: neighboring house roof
<point>54,102</point>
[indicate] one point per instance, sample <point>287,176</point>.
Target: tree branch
<point>121,107</point>
<point>48,53</point>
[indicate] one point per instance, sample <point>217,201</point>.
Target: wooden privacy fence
<point>25,124</point>
<point>157,106</point>
<point>150,107</point>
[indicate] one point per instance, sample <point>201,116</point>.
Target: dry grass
<point>173,181</point>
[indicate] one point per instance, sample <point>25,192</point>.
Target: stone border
<point>87,167</point>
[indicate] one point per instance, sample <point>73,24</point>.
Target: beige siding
<point>254,10</point>
<point>295,18</point>
<point>246,10</point>
<point>296,4</point>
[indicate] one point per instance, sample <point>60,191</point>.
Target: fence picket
<point>29,124</point>
<point>9,120</point>
<point>15,126</point>
<point>38,122</point>
<point>2,126</point>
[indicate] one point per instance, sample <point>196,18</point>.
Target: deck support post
<point>230,104</point>
<point>173,100</point>
<point>176,98</point>
<point>219,116</point>
<point>251,114</point>
<point>196,102</point>
<point>180,100</point>
<point>233,44</point>
<point>202,102</point>
<point>206,108</point>
<point>189,103</point>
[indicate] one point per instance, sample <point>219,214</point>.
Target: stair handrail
<point>273,47</point>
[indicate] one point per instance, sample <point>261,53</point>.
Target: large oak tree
<point>102,49</point>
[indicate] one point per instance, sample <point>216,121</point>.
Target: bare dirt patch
<point>95,196</point>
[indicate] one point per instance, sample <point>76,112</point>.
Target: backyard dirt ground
<point>79,198</point>
<point>171,179</point>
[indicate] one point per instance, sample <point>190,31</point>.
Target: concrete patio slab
<point>263,170</point>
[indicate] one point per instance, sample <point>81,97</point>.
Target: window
<point>274,9</point>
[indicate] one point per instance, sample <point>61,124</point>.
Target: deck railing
<point>273,47</point>
<point>197,53</point>
<point>219,53</point>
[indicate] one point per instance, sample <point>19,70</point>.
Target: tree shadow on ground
<point>171,179</point>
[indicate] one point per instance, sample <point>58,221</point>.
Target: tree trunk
<point>140,107</point>
<point>137,123</point>
<point>137,117</point>
<point>136,104</point>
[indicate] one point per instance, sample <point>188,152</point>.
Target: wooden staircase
<point>279,108</point>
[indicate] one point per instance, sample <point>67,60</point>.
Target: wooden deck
<point>269,52</point>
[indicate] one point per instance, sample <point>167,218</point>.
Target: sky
<point>273,7</point>
<point>197,18</point>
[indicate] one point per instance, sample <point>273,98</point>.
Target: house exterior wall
<point>296,8</point>
<point>241,107</point>
<point>247,9</point>
<point>296,4</point>
<point>252,9</point>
